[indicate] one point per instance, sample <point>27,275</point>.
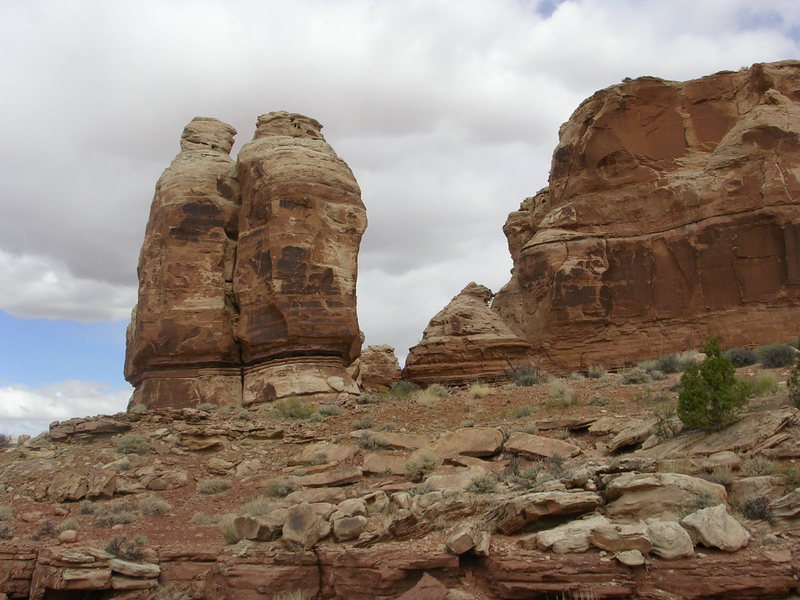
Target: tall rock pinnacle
<point>252,304</point>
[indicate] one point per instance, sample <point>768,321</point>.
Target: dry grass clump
<point>131,550</point>
<point>596,372</point>
<point>561,396</point>
<point>132,444</point>
<point>67,525</point>
<point>279,488</point>
<point>759,385</point>
<point>6,514</point>
<point>202,519</point>
<point>329,410</point>
<point>420,467</point>
<point>758,466</point>
<point>153,506</point>
<point>257,506</point>
<point>293,408</point>
<point>5,531</point>
<point>370,441</point>
<point>215,485</point>
<point>479,390</point>
<point>483,484</point>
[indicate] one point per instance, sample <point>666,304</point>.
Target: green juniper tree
<point>710,396</point>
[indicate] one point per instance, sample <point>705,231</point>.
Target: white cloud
<point>30,410</point>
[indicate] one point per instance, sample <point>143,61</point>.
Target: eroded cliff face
<point>254,304</point>
<point>672,214</point>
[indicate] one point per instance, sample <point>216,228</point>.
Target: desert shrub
<point>132,444</point>
<point>526,376</point>
<point>86,507</point>
<point>5,531</point>
<point>428,398</point>
<point>555,467</point>
<point>757,509</point>
<point>279,488</point>
<point>721,475</point>
<point>365,423</point>
<point>402,389</point>
<point>635,375</point>
<point>760,385</point>
<point>599,400</point>
<point>421,490</point>
<point>207,406</point>
<point>387,427</point>
<point>46,530</point>
<point>742,357</point>
<point>790,475</point>
<point>368,441</point>
<point>520,412</point>
<point>793,383</point>
<point>467,424</point>
<point>478,390</point>
<point>293,408</point>
<point>200,518</point>
<point>650,396</point>
<point>329,410</point>
<point>439,390</point>
<point>257,506</point>
<point>483,484</point>
<point>228,529</point>
<point>711,396</point>
<point>122,547</point>
<point>5,440</point>
<point>215,485</point>
<point>574,376</point>
<point>669,364</point>
<point>121,465</point>
<point>154,506</point>
<point>67,525</point>
<point>665,427</point>
<point>758,466</point>
<point>420,467</point>
<point>596,372</point>
<point>241,413</point>
<point>528,428</point>
<point>369,399</point>
<point>561,396</point>
<point>6,514</point>
<point>109,519</point>
<point>774,356</point>
<point>319,458</point>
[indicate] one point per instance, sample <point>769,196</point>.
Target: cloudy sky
<point>447,112</point>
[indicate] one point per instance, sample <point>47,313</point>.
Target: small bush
<point>229,532</point>
<point>775,356</point>
<point>483,484</point>
<point>421,490</point>
<point>132,444</point>
<point>721,475</point>
<point>293,408</point>
<point>388,427</point>
<point>634,376</point>
<point>793,383</point>
<point>5,532</point>
<point>257,506</point>
<point>329,410</point>
<point>560,395</point>
<point>528,428</point>
<point>46,530</point>
<point>428,398</point>
<point>402,389</point>
<point>207,406</point>
<point>790,474</point>
<point>369,399</point>
<point>131,550</point>
<point>599,400</point>
<point>742,357</point>
<point>520,412</point>
<point>279,488</point>
<point>596,372</point>
<point>760,385</point>
<point>6,514</point>
<point>757,509</point>
<point>368,441</point>
<point>109,519</point>
<point>153,506</point>
<point>479,390</point>
<point>420,467</point>
<point>215,485</point>
<point>5,440</point>
<point>758,466</point>
<point>86,507</point>
<point>320,458</point>
<point>711,396</point>
<point>365,423</point>
<point>241,413</point>
<point>200,518</point>
<point>669,364</point>
<point>526,376</point>
<point>467,424</point>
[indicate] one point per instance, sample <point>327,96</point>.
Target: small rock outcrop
<point>466,341</point>
<point>377,370</point>
<point>247,274</point>
<point>672,214</point>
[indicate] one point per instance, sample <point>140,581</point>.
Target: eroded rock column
<point>181,349</point>
<point>300,229</point>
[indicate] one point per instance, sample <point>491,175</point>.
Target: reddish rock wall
<point>672,214</point>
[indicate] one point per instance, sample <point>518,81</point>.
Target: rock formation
<point>466,341</point>
<point>672,214</point>
<point>181,349</point>
<point>295,279</point>
<point>252,304</point>
<point>377,369</point>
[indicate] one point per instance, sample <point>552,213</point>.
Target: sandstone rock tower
<point>672,214</point>
<point>181,349</point>
<point>299,231</point>
<point>254,304</point>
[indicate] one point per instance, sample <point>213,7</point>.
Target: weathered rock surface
<point>669,540</point>
<point>643,495</point>
<point>715,528</point>
<point>181,349</point>
<point>466,341</point>
<point>300,228</point>
<point>537,446</point>
<point>672,214</point>
<point>512,515</point>
<point>377,369</point>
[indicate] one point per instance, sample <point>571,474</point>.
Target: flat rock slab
<point>568,423</point>
<point>380,464</point>
<point>336,477</point>
<point>397,441</point>
<point>428,588</point>
<point>469,441</point>
<point>537,446</point>
<point>324,452</point>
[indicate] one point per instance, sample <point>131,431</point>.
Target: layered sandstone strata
<point>181,349</point>
<point>377,370</point>
<point>466,341</point>
<point>295,279</point>
<point>672,214</point>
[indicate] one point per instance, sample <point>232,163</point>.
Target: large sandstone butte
<point>247,291</point>
<point>672,214</point>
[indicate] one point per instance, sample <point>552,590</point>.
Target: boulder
<point>630,558</point>
<point>377,369</point>
<point>725,458</point>
<point>468,441</point>
<point>512,514</point>
<point>672,214</point>
<point>428,588</point>
<point>348,528</point>
<point>616,537</point>
<point>382,464</point>
<point>635,432</point>
<point>567,538</point>
<point>323,452</point>
<point>640,495</point>
<point>715,528</point>
<point>304,527</point>
<point>537,446</point>
<point>669,540</point>
<point>466,341</point>
<point>335,477</point>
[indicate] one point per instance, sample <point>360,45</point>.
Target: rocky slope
<point>672,214</point>
<point>399,497</point>
<point>247,273</point>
